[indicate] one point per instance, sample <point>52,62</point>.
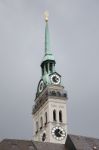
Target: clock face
<point>55,79</point>
<point>58,133</point>
<point>41,86</point>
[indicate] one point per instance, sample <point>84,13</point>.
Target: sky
<point>74,33</point>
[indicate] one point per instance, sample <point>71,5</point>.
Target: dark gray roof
<point>49,146</point>
<point>73,142</point>
<point>11,144</point>
<point>82,142</point>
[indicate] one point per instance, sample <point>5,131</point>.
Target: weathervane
<point>46,15</point>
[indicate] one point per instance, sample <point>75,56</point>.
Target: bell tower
<point>49,110</point>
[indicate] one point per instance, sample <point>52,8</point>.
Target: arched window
<point>54,115</point>
<point>36,126</point>
<point>50,67</point>
<point>41,121</point>
<point>46,65</point>
<point>60,116</point>
<point>43,70</point>
<point>45,118</point>
<point>58,94</point>
<point>65,95</point>
<point>53,93</point>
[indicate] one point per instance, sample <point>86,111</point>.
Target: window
<point>45,118</point>
<point>58,94</point>
<point>41,121</point>
<point>53,93</point>
<point>43,70</point>
<point>54,115</point>
<point>65,95</point>
<point>36,126</point>
<point>60,116</point>
<point>46,65</point>
<point>44,137</point>
<point>50,67</point>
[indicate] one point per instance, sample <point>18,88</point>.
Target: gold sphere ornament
<point>46,15</point>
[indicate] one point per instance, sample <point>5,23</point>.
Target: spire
<point>48,62</point>
<point>48,54</point>
<point>47,36</point>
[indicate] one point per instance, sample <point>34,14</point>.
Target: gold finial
<point>46,15</point>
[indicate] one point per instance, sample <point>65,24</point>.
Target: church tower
<point>49,111</point>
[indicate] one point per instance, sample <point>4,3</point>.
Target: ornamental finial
<point>46,15</point>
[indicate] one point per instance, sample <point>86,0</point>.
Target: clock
<point>41,86</point>
<point>58,133</point>
<point>55,79</point>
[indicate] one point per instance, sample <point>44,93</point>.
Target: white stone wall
<point>49,106</point>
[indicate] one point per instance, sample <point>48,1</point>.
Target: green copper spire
<point>48,54</point>
<point>47,37</point>
<point>49,75</point>
<point>48,62</point>
<point>47,40</point>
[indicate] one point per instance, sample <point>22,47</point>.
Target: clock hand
<point>60,133</point>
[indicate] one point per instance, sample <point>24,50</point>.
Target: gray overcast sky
<point>74,31</point>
